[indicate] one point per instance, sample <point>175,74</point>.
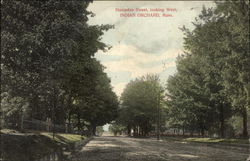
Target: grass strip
<point>208,140</point>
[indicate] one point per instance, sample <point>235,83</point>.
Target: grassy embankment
<point>64,138</point>
<point>31,145</point>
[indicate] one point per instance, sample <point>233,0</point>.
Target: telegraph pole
<point>158,116</point>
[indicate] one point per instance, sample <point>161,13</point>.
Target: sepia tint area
<point>125,80</point>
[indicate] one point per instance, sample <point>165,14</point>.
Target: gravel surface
<point>133,149</point>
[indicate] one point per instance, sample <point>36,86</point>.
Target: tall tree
<point>139,104</point>
<point>47,58</point>
<point>236,72</point>
<point>220,43</point>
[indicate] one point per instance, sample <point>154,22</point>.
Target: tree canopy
<point>139,103</point>
<point>212,82</point>
<point>47,53</point>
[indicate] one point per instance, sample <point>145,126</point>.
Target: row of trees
<point>212,83</point>
<point>140,102</point>
<point>48,69</point>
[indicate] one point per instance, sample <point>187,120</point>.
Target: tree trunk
<point>93,130</point>
<point>244,115</point>
<point>140,130</point>
<point>222,122</point>
<point>69,117</point>
<point>78,122</point>
<point>129,130</point>
<point>146,128</point>
<point>136,131</point>
<point>222,127</point>
<point>202,131</point>
<point>54,108</point>
<point>69,102</point>
<point>69,123</point>
<point>192,132</point>
<point>21,126</point>
<point>247,90</point>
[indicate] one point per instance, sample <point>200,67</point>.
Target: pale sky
<point>143,45</point>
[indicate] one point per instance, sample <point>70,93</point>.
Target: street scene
<point>134,149</point>
<point>92,80</point>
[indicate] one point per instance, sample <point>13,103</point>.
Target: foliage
<point>139,104</point>
<point>99,130</point>
<point>47,51</point>
<point>116,128</point>
<point>212,80</point>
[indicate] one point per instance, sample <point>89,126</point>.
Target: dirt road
<point>132,149</point>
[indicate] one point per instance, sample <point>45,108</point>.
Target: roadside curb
<point>82,143</point>
<point>78,146</point>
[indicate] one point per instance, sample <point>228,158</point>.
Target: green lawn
<point>64,138</point>
<point>207,140</point>
<point>59,137</point>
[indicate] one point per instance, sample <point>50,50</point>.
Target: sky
<point>143,45</point>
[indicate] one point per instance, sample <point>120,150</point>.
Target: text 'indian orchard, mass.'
<point>146,12</point>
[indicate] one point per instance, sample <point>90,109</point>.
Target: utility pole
<point>158,116</point>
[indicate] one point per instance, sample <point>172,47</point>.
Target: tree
<point>116,128</point>
<point>139,102</point>
<point>93,101</point>
<point>188,97</point>
<point>36,40</point>
<point>226,51</point>
<point>99,130</point>
<point>236,72</point>
<point>218,49</point>
<point>47,60</point>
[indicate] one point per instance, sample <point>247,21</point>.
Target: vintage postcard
<point>125,80</point>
